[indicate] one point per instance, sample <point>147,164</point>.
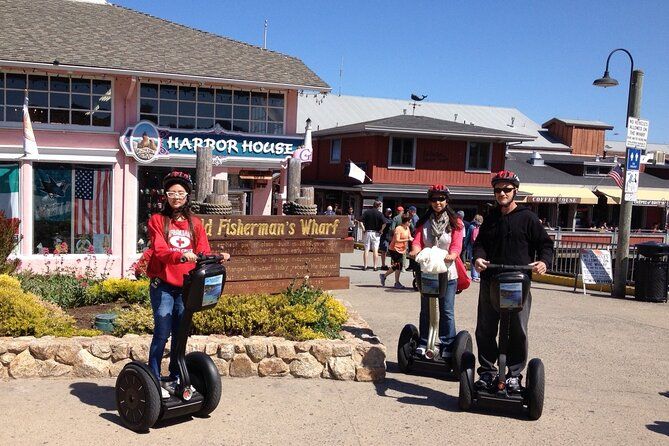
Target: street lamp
<point>625,218</point>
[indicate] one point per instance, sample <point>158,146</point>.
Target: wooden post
<point>308,194</point>
<point>294,178</point>
<point>221,187</point>
<point>203,165</point>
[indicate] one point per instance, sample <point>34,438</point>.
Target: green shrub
<point>112,290</point>
<point>64,290</point>
<point>24,314</point>
<point>137,319</point>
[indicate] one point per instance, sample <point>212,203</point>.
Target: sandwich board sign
<point>595,267</point>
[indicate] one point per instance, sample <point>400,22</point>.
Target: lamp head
<point>605,81</point>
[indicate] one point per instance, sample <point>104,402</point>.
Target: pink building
<point>98,77</point>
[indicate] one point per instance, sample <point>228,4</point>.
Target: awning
<point>557,193</point>
<point>646,196</point>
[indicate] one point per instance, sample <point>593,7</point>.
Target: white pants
<point>372,240</point>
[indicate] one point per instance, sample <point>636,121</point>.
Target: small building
<point>119,98</point>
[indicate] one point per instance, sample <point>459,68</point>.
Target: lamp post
<point>625,218</point>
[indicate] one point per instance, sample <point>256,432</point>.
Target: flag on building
<point>9,190</point>
<point>91,201</point>
<point>617,174</point>
<point>29,142</point>
<point>355,172</point>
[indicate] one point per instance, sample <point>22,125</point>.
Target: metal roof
<point>579,123</point>
<point>109,38</point>
<point>619,146</point>
<point>335,111</point>
<point>426,126</point>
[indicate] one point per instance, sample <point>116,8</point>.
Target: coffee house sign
<point>146,143</point>
<point>557,200</point>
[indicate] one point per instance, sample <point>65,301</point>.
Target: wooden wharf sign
<point>269,252</point>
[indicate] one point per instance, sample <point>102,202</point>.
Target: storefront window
<point>72,208</point>
<point>56,99</point>
<point>203,107</point>
<point>151,198</point>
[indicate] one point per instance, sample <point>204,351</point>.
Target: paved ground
<point>606,371</point>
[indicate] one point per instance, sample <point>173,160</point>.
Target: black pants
<point>487,328</point>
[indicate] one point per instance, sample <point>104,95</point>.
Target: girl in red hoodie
<point>177,236</point>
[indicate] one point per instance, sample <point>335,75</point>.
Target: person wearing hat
<point>177,237</point>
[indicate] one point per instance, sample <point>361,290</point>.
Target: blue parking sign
<point>633,158</point>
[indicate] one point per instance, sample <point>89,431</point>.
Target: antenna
<point>264,36</point>
<point>341,73</point>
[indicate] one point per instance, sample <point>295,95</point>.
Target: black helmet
<point>506,176</point>
<point>438,189</point>
<point>177,177</point>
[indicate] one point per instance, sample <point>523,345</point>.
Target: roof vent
<point>536,159</point>
<point>455,117</point>
<point>404,111</point>
<point>513,119</point>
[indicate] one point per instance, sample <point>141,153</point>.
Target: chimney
<point>536,159</point>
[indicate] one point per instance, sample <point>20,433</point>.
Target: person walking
<point>440,227</point>
<point>177,236</point>
<point>466,243</point>
<point>372,224</point>
<point>474,228</point>
<point>510,235</point>
<point>397,251</point>
<point>386,236</point>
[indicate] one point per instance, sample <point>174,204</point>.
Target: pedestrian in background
<point>473,234</point>
<point>386,235</point>
<point>466,243</point>
<point>397,251</point>
<point>372,224</point>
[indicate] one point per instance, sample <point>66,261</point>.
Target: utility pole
<point>625,218</point>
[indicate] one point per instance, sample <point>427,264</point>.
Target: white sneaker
<point>420,350</point>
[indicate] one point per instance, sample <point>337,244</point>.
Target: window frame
<point>48,91</point>
<point>414,144</point>
<point>240,100</point>
<point>468,168</point>
<point>332,147</point>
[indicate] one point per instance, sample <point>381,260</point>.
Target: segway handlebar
<point>203,259</point>
<point>510,267</point>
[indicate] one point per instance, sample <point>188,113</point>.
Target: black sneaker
<point>486,381</point>
<point>513,384</point>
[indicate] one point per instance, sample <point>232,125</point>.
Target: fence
<point>566,257</point>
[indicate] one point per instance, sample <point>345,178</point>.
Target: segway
<point>407,355</point>
<point>138,394</point>
<point>508,293</point>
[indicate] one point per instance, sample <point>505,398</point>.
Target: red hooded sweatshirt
<point>165,260</point>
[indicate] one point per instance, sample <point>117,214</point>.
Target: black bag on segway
<point>509,290</point>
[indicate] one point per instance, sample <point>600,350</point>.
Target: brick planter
<point>359,356</point>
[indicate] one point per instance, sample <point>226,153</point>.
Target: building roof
<point>86,35</point>
<point>619,146</point>
<point>335,111</point>
<point>426,126</point>
<point>579,123</point>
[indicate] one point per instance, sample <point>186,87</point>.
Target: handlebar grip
<point>510,267</point>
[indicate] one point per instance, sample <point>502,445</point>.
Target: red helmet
<point>438,189</point>
<point>506,176</point>
<point>181,178</point>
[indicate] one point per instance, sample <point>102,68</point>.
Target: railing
<point>566,255</point>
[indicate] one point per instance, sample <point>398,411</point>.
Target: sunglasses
<point>176,194</point>
<point>435,199</point>
<point>506,190</point>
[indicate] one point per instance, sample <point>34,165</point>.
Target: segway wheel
<point>137,398</point>
<point>206,380</point>
<point>535,388</point>
<point>462,344</point>
<point>406,346</point>
<point>466,396</point>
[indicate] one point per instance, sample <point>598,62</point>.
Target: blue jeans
<point>168,308</point>
<point>447,290</point>
<point>475,274</point>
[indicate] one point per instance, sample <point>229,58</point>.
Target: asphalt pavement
<point>606,383</point>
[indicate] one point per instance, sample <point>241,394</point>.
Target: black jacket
<point>517,238</point>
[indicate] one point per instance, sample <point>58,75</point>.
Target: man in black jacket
<point>510,235</point>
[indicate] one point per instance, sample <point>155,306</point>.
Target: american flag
<point>91,201</point>
<point>617,174</point>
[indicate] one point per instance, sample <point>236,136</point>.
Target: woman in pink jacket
<point>442,228</point>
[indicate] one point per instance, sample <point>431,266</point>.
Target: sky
<point>537,56</point>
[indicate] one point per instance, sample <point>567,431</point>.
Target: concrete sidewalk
<point>606,383</point>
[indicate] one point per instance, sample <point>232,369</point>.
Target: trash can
<point>651,272</point>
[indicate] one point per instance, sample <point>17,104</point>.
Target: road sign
<point>633,158</point>
<point>632,181</point>
<point>637,133</point>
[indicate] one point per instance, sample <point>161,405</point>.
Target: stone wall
<point>359,356</point>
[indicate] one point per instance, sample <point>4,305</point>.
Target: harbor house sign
<point>146,143</point>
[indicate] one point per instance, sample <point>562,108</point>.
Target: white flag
<point>29,143</point>
<point>356,172</point>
